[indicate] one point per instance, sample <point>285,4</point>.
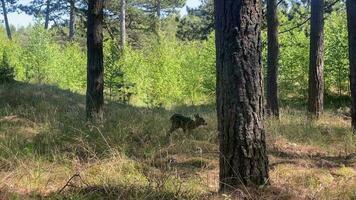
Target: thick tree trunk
<point>7,25</point>
<point>71,19</point>
<point>272,60</point>
<point>316,67</point>
<point>351,19</point>
<point>48,6</point>
<point>123,24</point>
<point>243,157</point>
<point>95,71</point>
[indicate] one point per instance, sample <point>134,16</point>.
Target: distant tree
<point>198,23</point>
<point>7,25</point>
<point>316,65</point>
<point>95,73</point>
<point>351,18</point>
<point>272,58</point>
<point>123,24</point>
<point>49,10</point>
<point>243,156</point>
<point>159,7</point>
<point>47,13</point>
<point>72,14</point>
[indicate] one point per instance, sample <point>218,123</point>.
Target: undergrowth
<point>49,151</point>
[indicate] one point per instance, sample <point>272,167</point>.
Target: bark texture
<point>71,19</point>
<point>243,157</point>
<point>351,19</point>
<point>95,70</point>
<point>7,25</point>
<point>316,66</point>
<point>48,10</point>
<point>123,24</point>
<point>272,59</point>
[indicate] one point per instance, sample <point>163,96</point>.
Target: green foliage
<point>40,56</point>
<point>115,83</point>
<point>174,66</point>
<point>198,23</point>
<point>72,71</point>
<point>336,54</point>
<point>40,59</point>
<point>294,54</point>
<point>172,72</point>
<point>294,62</point>
<point>6,71</point>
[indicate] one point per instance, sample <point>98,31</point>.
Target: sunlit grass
<point>44,141</point>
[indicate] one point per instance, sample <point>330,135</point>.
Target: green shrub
<point>7,73</point>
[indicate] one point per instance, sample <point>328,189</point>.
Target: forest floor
<point>48,151</point>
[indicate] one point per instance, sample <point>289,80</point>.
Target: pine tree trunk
<point>7,25</point>
<point>243,157</point>
<point>123,24</point>
<point>48,4</point>
<point>316,67</point>
<point>158,9</point>
<point>158,20</point>
<point>351,19</point>
<point>95,71</point>
<point>272,60</point>
<point>71,19</point>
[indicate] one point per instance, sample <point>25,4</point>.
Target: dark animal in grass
<point>186,123</point>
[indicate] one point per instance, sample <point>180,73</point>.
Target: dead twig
<point>68,184</point>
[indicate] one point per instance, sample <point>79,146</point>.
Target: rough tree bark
<point>123,24</point>
<point>351,20</point>
<point>243,157</point>
<point>71,19</point>
<point>7,26</point>
<point>272,59</point>
<point>316,65</point>
<point>48,10</point>
<point>95,70</point>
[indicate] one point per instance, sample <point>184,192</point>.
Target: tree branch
<point>307,20</point>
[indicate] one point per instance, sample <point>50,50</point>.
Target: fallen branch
<point>69,182</point>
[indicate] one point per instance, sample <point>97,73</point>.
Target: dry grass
<point>44,141</point>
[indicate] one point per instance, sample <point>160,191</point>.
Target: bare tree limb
<point>307,20</point>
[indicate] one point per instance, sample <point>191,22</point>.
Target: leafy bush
<point>7,73</point>
<point>115,84</point>
<point>172,72</point>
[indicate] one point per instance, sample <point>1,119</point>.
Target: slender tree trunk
<point>243,157</point>
<point>316,67</point>
<point>351,19</point>
<point>71,19</point>
<point>158,9</point>
<point>272,60</point>
<point>48,5</point>
<point>123,24</point>
<point>95,72</point>
<point>158,20</point>
<point>7,26</point>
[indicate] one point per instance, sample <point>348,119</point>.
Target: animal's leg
<point>173,128</point>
